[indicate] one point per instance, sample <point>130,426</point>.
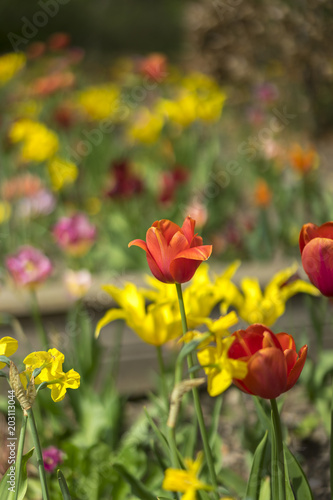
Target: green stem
<point>40,462</point>
<point>38,321</point>
<point>196,399</point>
<point>162,374</point>
<point>20,454</point>
<point>278,465</point>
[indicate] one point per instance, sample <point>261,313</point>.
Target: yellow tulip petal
<point>110,315</point>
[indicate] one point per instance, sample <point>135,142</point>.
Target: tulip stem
<point>196,399</point>
<point>162,374</point>
<point>38,321</point>
<point>278,476</point>
<point>40,462</point>
<point>20,455</point>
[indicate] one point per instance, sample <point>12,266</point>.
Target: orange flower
<point>173,253</point>
<point>262,194</point>
<point>316,246</point>
<point>273,364</point>
<point>303,160</point>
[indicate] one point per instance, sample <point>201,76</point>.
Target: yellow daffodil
<point>38,142</point>
<point>219,369</point>
<point>50,363</point>
<point>68,380</point>
<point>5,211</point>
<point>182,111</point>
<point>99,102</point>
<point>186,481</point>
<point>8,346</point>
<point>62,172</point>
<point>10,64</point>
<point>155,325</point>
<point>146,126</point>
<point>257,306</point>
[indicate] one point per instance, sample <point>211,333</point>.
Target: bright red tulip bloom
<point>272,361</point>
<point>173,253</point>
<point>316,246</point>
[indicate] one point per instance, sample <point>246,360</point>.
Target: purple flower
<point>51,458</point>
<point>29,266</point>
<point>266,92</point>
<point>75,234</point>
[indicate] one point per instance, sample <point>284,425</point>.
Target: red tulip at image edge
<point>173,253</point>
<point>316,246</point>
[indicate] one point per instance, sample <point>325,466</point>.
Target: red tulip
<point>272,361</point>
<point>316,246</point>
<point>173,253</point>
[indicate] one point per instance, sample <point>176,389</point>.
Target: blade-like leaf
<point>254,483</point>
<point>138,488</point>
<point>4,359</point>
<point>297,477</point>
<point>63,486</point>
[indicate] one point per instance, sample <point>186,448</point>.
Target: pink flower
<point>29,266</point>
<point>75,234</point>
<point>52,457</point>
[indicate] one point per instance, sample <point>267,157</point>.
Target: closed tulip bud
<point>273,364</point>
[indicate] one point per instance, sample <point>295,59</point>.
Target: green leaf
<point>297,477</point>
<point>232,481</point>
<point>164,498</point>
<point>256,474</point>
<point>190,347</point>
<point>5,494</point>
<point>137,487</point>
<point>160,436</point>
<point>63,486</point>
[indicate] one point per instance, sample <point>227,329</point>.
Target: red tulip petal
<point>286,341</point>
<point>270,340</point>
<point>138,243</point>
<point>196,241</point>
<point>167,228</point>
<point>297,369</point>
<point>156,271</point>
<point>240,384</point>
<point>310,231</point>
<point>188,229</point>
<point>291,358</point>
<point>159,251</point>
<point>317,260</point>
<point>267,373</point>
<point>196,253</point>
<point>177,245</point>
<point>183,270</point>
<point>247,341</point>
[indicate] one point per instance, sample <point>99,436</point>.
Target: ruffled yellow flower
<point>146,126</point>
<point>186,481</point>
<point>38,142</point>
<point>8,346</point>
<point>50,363</point>
<point>10,64</point>
<point>220,369</point>
<point>62,173</point>
<point>257,306</point>
<point>155,325</point>
<point>100,101</point>
<point>5,211</point>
